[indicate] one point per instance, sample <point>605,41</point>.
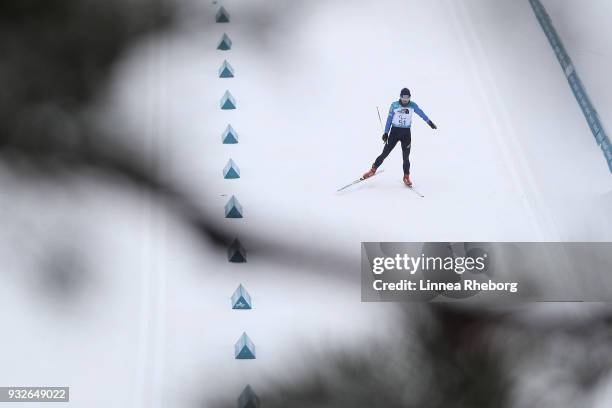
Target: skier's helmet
<point>405,96</point>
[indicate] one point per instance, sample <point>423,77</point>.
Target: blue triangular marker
<point>232,174</point>
<point>231,170</point>
<point>222,16</point>
<point>224,43</point>
<point>244,349</point>
<point>248,398</point>
<point>241,300</point>
<point>228,101</point>
<point>236,252</point>
<point>229,136</point>
<point>226,70</point>
<point>233,209</point>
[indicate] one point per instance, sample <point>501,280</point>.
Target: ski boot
<point>369,173</point>
<point>407,181</point>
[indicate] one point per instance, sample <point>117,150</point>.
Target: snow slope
<point>513,160</point>
<point>510,140</point>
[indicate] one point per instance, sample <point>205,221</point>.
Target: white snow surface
<point>513,160</point>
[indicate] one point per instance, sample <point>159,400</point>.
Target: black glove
<point>385,137</point>
<point>432,125</point>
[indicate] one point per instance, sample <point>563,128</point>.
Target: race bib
<point>402,117</point>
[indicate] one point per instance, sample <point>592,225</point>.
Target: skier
<point>400,116</point>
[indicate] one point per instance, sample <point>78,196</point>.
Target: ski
<point>359,180</point>
<point>416,192</point>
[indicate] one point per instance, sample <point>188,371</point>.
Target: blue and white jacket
<point>401,116</point>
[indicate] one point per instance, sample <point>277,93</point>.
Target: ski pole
<point>380,121</point>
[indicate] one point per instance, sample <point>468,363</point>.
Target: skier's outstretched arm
<point>389,119</point>
<point>423,116</point>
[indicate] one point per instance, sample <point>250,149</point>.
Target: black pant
<point>403,136</point>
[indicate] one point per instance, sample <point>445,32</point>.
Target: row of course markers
<point>244,349</point>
